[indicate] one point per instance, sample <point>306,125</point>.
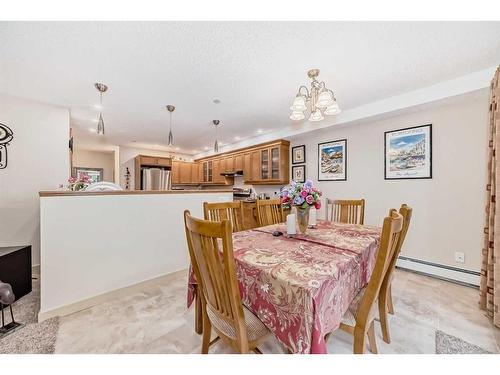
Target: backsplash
<point>271,190</point>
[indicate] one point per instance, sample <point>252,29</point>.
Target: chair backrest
<point>269,211</point>
<point>406,212</point>
<point>232,211</point>
<point>215,271</point>
<point>350,211</point>
<point>391,231</point>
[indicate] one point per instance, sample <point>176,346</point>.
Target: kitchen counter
<point>59,193</point>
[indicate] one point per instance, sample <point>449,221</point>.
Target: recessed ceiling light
<point>237,138</point>
<point>177,148</point>
<point>92,130</point>
<point>259,130</point>
<point>216,101</point>
<point>206,148</point>
<point>97,106</point>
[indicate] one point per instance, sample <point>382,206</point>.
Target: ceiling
<point>253,68</point>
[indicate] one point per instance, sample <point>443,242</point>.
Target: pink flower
<point>303,193</point>
<point>317,205</point>
<point>309,199</point>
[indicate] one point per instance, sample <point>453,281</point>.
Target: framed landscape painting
<point>299,173</point>
<point>299,154</point>
<point>332,161</point>
<point>408,153</point>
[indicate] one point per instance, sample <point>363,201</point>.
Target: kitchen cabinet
<point>185,172</point>
<point>238,162</point>
<point>195,173</point>
<point>254,166</point>
<point>264,164</point>
<point>176,173</point>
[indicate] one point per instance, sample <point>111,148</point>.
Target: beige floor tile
<point>157,321</point>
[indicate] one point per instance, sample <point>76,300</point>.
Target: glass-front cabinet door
<point>275,163</point>
<point>264,165</point>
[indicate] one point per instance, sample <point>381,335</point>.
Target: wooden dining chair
<point>360,316</point>
<point>215,272</point>
<point>269,211</point>
<point>345,211</point>
<point>385,298</point>
<point>232,211</point>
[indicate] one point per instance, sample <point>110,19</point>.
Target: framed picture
<point>299,173</point>
<point>332,161</point>
<point>96,174</point>
<point>299,154</point>
<point>408,153</point>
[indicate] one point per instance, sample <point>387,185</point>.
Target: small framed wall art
<point>332,160</point>
<point>299,154</point>
<point>299,173</point>
<point>408,153</point>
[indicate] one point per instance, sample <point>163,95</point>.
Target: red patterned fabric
<point>301,287</point>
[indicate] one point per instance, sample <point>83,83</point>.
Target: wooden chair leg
<point>207,332</point>
<point>371,338</point>
<point>384,322</point>
<point>390,306</point>
<point>359,340</point>
<point>256,350</point>
<point>198,315</point>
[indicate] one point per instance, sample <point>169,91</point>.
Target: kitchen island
<point>99,245</point>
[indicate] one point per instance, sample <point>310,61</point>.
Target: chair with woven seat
<point>215,272</point>
<point>385,298</point>
<point>269,211</point>
<point>350,211</point>
<point>232,211</point>
<point>360,316</point>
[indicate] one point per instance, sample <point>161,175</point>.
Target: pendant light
<point>170,108</point>
<point>216,144</point>
<point>101,87</point>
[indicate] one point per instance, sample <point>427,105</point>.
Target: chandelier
<point>321,100</point>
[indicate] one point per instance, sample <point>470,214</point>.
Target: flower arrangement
<point>80,183</point>
<point>301,195</point>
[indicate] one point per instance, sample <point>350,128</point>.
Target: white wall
<point>96,159</point>
<point>38,160</point>
<point>113,242</point>
<point>128,154</point>
<point>448,209</point>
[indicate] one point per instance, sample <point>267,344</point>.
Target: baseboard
<point>105,297</point>
<point>462,276</point>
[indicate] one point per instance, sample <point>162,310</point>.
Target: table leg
<point>198,315</point>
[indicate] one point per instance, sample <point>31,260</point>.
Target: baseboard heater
<point>440,271</point>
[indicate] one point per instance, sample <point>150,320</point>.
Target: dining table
<point>300,286</point>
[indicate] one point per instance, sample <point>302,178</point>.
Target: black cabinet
<point>15,269</point>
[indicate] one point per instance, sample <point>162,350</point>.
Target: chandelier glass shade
<point>101,87</point>
<point>216,143</point>
<point>170,109</point>
<point>319,99</point>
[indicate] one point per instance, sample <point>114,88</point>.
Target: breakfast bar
<point>97,245</point>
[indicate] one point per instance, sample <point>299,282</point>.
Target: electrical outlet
<point>459,257</point>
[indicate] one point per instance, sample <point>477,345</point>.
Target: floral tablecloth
<point>301,287</point>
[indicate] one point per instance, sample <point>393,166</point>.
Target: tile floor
<point>157,321</point>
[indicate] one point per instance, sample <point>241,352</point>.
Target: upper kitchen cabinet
<point>265,164</point>
<point>185,173</point>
